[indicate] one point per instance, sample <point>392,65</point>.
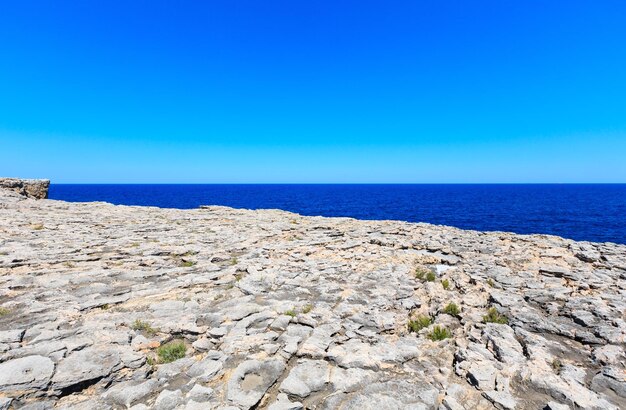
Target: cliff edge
<point>30,188</point>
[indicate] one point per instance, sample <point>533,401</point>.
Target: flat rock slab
<point>25,373</point>
<point>251,380</point>
<point>85,365</point>
<point>306,377</point>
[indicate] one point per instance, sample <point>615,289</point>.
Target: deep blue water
<point>591,212</point>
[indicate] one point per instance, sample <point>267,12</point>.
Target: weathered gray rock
<point>11,336</point>
<point>205,369</point>
<point>85,366</point>
<point>5,403</point>
<point>25,373</point>
<point>394,395</point>
<point>202,345</point>
<point>552,405</point>
<point>130,392</point>
<point>483,375</point>
<point>283,403</point>
<point>168,400</point>
<point>350,380</point>
<point>610,378</point>
<point>251,379</point>
<point>501,400</point>
<point>173,369</point>
<point>502,342</point>
<point>609,354</point>
<point>199,393</point>
<point>306,377</point>
<point>39,405</point>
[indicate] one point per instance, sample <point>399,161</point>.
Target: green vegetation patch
<point>187,264</point>
<point>452,309</point>
<point>421,322</point>
<point>307,308</point>
<point>145,327</point>
<point>4,311</point>
<point>439,333</point>
<point>425,274</point>
<point>493,316</point>
<point>420,273</point>
<point>171,351</point>
<point>291,312</point>
<point>446,284</point>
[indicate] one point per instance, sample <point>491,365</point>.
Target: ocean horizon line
<point>338,183</point>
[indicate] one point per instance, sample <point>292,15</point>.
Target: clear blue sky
<point>312,91</point>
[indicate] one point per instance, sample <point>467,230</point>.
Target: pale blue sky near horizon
<point>313,92</point>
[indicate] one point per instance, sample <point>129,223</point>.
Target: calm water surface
<point>591,212</point>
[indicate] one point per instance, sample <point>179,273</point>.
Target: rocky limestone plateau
<point>112,307</point>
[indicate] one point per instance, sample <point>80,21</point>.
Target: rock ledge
<point>30,188</point>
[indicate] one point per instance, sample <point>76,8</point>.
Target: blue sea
<point>589,212</point>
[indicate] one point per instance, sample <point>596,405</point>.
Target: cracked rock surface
<point>280,311</point>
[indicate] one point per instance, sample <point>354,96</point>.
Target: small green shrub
<point>439,333</point>
<point>420,273</point>
<point>187,264</point>
<point>4,311</point>
<point>307,308</point>
<point>446,284</point>
<point>234,261</point>
<point>493,316</point>
<point>142,326</point>
<point>452,309</point>
<point>38,227</point>
<point>556,365</point>
<point>425,274</point>
<point>291,312</point>
<point>171,351</point>
<point>421,322</point>
<point>238,276</point>
<point>490,282</point>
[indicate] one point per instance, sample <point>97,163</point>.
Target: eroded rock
<point>275,310</point>
<point>251,379</point>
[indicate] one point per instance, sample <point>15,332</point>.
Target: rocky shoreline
<point>111,307</point>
